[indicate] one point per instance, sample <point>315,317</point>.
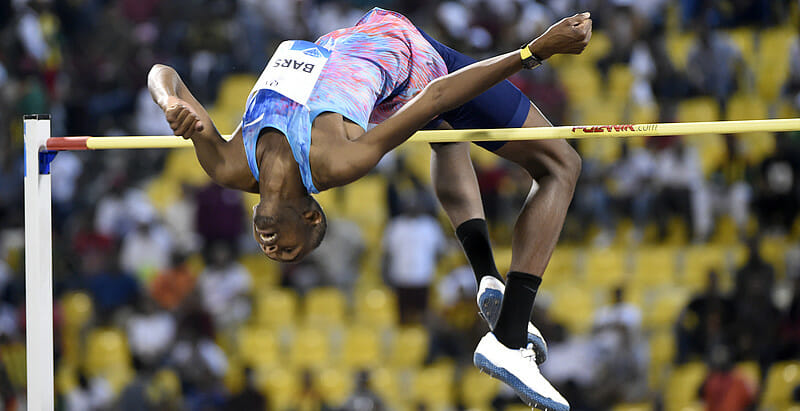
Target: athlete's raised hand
<point>181,117</point>
<point>568,36</point>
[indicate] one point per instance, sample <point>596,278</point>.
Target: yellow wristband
<point>529,60</point>
<point>525,53</point>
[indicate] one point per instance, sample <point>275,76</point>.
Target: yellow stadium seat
<point>281,385</point>
<point>782,378</point>
<point>386,383</point>
<point>361,348</point>
<point>334,385</point>
<point>605,267</point>
<point>598,48</point>
<point>654,267</point>
<point>376,307</point>
<point>478,390</point>
<point>573,307</point>
<point>698,261</point>
<point>751,371</point>
<point>633,407</point>
<point>66,378</point>
<point>258,346</point>
<point>773,58</point>
<point>163,192</point>
<point>663,311</point>
<point>773,249</point>
<point>233,91</point>
<point>683,385</point>
<point>12,357</point>
<point>746,107</point>
<point>77,308</point>
<point>433,386</point>
<point>409,347</point>
<point>182,166</point>
<point>662,353</point>
<point>276,308</point>
<point>698,109</point>
<point>744,39</point>
<point>310,348</point>
<point>264,272</point>
<point>582,81</point>
<point>106,348</point>
<point>620,80</point>
<point>562,267</point>
<point>325,307</point>
<point>678,46</point>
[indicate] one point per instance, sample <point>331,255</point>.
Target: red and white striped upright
<point>38,264</point>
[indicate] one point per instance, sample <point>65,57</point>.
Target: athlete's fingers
<point>179,118</point>
<point>185,125</point>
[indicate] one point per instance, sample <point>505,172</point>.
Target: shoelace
<point>528,353</point>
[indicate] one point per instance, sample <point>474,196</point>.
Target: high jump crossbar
<point>40,150</point>
<point>450,136</point>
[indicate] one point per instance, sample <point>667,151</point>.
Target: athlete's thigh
<point>539,157</point>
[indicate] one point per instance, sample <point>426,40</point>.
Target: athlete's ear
<point>312,217</point>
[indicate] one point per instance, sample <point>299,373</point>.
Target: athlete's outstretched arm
<point>223,161</point>
<point>355,159</point>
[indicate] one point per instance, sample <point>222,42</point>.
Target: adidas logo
<point>312,52</point>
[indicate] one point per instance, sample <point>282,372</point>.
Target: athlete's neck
<point>278,174</point>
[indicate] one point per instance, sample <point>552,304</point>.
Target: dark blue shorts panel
<point>502,106</point>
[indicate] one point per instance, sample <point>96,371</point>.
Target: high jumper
<point>307,128</point>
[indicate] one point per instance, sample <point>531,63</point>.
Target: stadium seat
<point>620,80</point>
<point>385,382</point>
<point>663,311</point>
<point>683,386</point>
<point>581,80</point>
<point>376,307</point>
<point>265,273</point>
<point>106,349</point>
<point>361,348</point>
<point>698,261</point>
<point>310,348</point>
<point>433,386</point>
<point>774,249</point>
<point>744,39</point>
<point>633,407</point>
<point>573,307</point>
<point>12,357</point>
<point>409,347</point>
<point>662,354</point>
<point>605,267</point>
<point>478,389</point>
<point>233,91</point>
<point>562,267</point>
<point>598,48</point>
<point>325,308</point>
<point>654,267</point>
<point>678,46</point>
<point>698,109</point>
<point>782,378</point>
<point>258,346</point>
<point>334,385</point>
<point>276,308</point>
<point>773,55</point>
<point>751,371</point>
<point>282,385</point>
<point>77,309</point>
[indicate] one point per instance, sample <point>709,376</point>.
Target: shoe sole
<point>490,303</point>
<point>525,393</point>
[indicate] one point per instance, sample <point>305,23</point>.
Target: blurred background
<point>676,283</point>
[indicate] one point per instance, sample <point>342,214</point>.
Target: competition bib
<point>293,70</point>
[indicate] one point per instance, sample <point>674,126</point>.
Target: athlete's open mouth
<point>268,238</point>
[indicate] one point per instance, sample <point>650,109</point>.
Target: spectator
<point>224,287</point>
<point>724,389</point>
<point>110,287</point>
<point>338,258</point>
<point>249,398</point>
<point>150,332</point>
<point>89,394</point>
<point>620,352</point>
<point>789,331</point>
<point>173,285</point>
<point>363,398</point>
<point>679,181</point>
<point>412,244</point>
<point>308,397</point>
<point>180,219</point>
<point>220,216</point>
<point>146,250</point>
<point>632,191</point>
<point>714,64</point>
<point>705,322</point>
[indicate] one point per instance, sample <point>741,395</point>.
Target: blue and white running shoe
<point>518,369</point>
<point>490,299</point>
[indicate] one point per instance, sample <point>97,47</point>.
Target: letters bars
<point>449,136</point>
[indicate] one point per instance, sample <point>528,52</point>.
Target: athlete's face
<point>288,236</point>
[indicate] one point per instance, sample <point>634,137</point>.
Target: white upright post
<point>38,268</point>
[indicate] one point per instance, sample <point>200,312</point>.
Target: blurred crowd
<point>177,278</point>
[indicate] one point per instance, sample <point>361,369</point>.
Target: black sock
<point>512,326</point>
<point>474,237</point>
